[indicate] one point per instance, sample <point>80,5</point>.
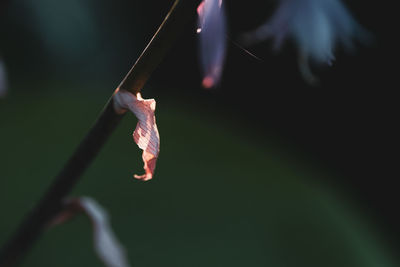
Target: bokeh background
<point>264,170</point>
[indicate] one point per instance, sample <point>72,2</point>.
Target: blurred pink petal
<point>3,80</point>
<point>146,134</point>
<point>212,35</point>
<point>106,245</point>
<point>200,13</point>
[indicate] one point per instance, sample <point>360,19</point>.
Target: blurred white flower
<point>212,38</point>
<point>316,26</point>
<point>3,80</point>
<point>106,245</point>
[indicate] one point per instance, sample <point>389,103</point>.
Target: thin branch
<point>51,203</point>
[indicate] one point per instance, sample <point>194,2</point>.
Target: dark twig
<point>51,203</point>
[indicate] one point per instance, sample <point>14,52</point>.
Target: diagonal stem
<point>51,203</point>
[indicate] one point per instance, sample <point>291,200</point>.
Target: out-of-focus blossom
<point>316,26</point>
<point>63,27</point>
<point>3,80</point>
<point>106,245</point>
<point>146,134</point>
<point>212,35</point>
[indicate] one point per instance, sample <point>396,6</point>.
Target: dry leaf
<point>146,134</point>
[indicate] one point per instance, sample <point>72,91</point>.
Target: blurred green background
<point>243,179</point>
<point>221,196</point>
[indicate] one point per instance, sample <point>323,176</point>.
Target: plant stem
<point>51,203</point>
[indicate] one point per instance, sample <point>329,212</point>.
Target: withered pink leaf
<point>106,245</point>
<point>146,134</point>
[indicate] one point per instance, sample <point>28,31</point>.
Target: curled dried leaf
<point>146,134</point>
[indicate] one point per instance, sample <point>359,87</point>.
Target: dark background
<point>345,125</point>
